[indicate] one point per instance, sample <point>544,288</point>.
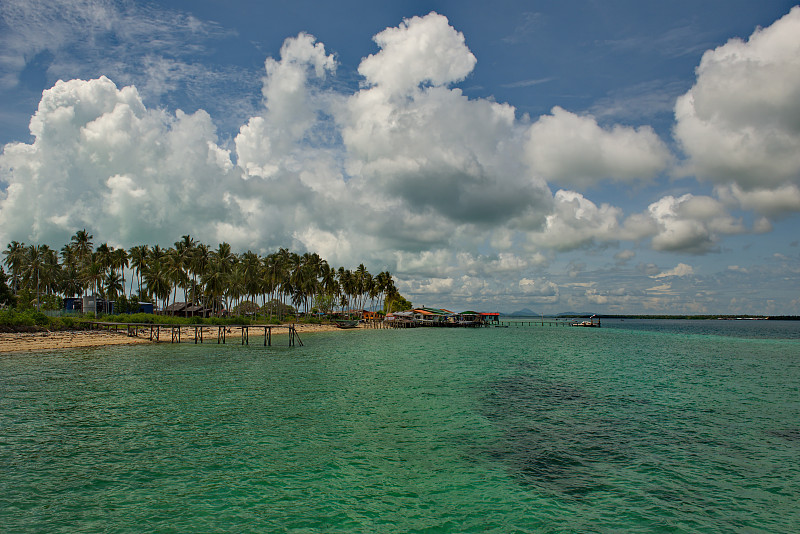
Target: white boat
<point>590,323</point>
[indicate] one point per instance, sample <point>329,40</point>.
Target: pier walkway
<point>533,322</point>
<point>547,322</point>
<point>196,332</point>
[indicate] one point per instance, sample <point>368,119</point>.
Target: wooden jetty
<point>541,322</point>
<point>155,331</point>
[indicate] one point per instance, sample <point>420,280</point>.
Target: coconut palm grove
<point>216,279</point>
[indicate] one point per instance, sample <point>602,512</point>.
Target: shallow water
<point>680,426</point>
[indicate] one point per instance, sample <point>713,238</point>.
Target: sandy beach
<point>39,341</point>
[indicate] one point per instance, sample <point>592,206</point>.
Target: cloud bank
<point>454,195</point>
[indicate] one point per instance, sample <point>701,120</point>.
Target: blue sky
<point>616,156</point>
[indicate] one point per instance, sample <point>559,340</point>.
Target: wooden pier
<point>155,331</point>
<point>542,322</point>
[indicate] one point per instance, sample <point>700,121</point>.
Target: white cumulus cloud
<point>574,150</point>
<point>739,124</point>
<point>690,223</point>
<point>101,160</point>
<point>421,50</point>
<point>681,269</point>
<point>576,221</point>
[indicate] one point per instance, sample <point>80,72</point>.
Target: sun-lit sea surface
<point>639,426</point>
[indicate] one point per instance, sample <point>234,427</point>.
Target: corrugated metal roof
<point>433,311</point>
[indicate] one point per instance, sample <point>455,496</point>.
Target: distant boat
<point>341,323</point>
<point>590,323</point>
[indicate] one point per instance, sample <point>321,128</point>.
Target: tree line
<point>215,279</point>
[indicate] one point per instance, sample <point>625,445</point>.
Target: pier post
<point>293,335</point>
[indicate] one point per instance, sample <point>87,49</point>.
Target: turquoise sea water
<point>640,426</point>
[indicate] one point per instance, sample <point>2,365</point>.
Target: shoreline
<point>73,339</point>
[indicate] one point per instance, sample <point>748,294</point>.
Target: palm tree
<point>33,261</point>
<point>269,275</point>
<point>91,274</point>
<point>251,270</point>
<point>372,291</point>
<point>156,277</point>
<point>223,257</point>
<point>213,281</point>
<point>104,256</point>
<point>138,259</point>
<point>113,285</point>
<point>313,264</point>
<point>51,270</point>
<point>288,264</point>
<point>303,284</point>
<point>361,282</point>
<point>157,253</point>
<point>119,260</point>
<point>184,250</point>
<point>219,268</point>
<point>174,263</point>
<point>236,284</point>
<point>71,280</point>
<point>14,258</point>
<point>280,274</point>
<point>348,286</point>
<point>199,260</point>
<point>81,243</point>
<point>385,288</point>
<point>328,283</point>
<point>186,241</point>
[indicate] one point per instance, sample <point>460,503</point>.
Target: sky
<point>606,157</point>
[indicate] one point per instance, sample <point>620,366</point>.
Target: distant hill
<point>524,312</point>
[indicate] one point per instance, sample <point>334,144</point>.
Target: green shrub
<point>13,317</point>
<point>40,319</point>
<point>147,318</point>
